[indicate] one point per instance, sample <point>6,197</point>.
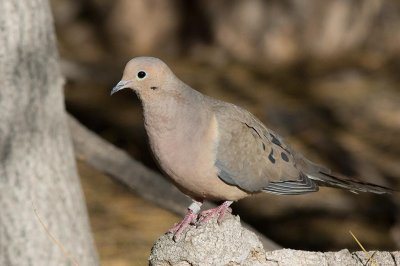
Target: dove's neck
<point>174,112</point>
<point>176,125</point>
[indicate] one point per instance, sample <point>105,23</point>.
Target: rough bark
<point>37,166</point>
<point>231,244</point>
<point>146,183</point>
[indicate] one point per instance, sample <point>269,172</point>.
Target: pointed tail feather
<point>354,185</point>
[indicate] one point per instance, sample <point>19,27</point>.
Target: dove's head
<point>147,76</point>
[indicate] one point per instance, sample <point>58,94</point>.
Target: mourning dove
<point>214,150</point>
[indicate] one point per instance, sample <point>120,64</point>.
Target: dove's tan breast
<point>187,155</point>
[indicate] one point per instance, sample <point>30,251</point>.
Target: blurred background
<point>325,75</point>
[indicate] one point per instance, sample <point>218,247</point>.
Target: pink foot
<point>190,218</point>
<point>177,229</point>
<point>219,211</point>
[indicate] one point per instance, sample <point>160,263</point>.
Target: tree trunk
<point>37,166</point>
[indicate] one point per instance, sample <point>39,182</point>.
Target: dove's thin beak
<point>121,85</point>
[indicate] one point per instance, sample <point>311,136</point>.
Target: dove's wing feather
<point>254,158</point>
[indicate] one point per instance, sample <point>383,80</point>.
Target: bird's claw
<point>192,217</point>
<point>219,211</point>
<point>178,228</point>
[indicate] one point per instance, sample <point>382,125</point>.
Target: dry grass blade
<point>53,239</point>
<point>370,257</point>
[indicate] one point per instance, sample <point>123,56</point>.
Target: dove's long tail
<point>329,179</point>
<point>325,177</point>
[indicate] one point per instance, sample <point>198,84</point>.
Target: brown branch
<point>146,183</point>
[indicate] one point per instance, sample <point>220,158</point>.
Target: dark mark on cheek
<point>153,88</point>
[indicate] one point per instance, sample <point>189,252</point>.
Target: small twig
<point>370,257</point>
<point>53,239</point>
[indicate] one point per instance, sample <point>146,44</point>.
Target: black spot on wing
<point>284,157</point>
<point>254,130</point>
<point>275,140</point>
<point>271,156</point>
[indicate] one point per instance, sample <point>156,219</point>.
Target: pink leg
<point>219,211</point>
<point>190,218</point>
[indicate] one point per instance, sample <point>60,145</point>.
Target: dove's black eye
<point>141,74</point>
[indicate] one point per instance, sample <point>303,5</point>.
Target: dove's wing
<point>254,158</point>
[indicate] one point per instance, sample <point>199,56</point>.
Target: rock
<point>230,244</point>
<point>210,244</point>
